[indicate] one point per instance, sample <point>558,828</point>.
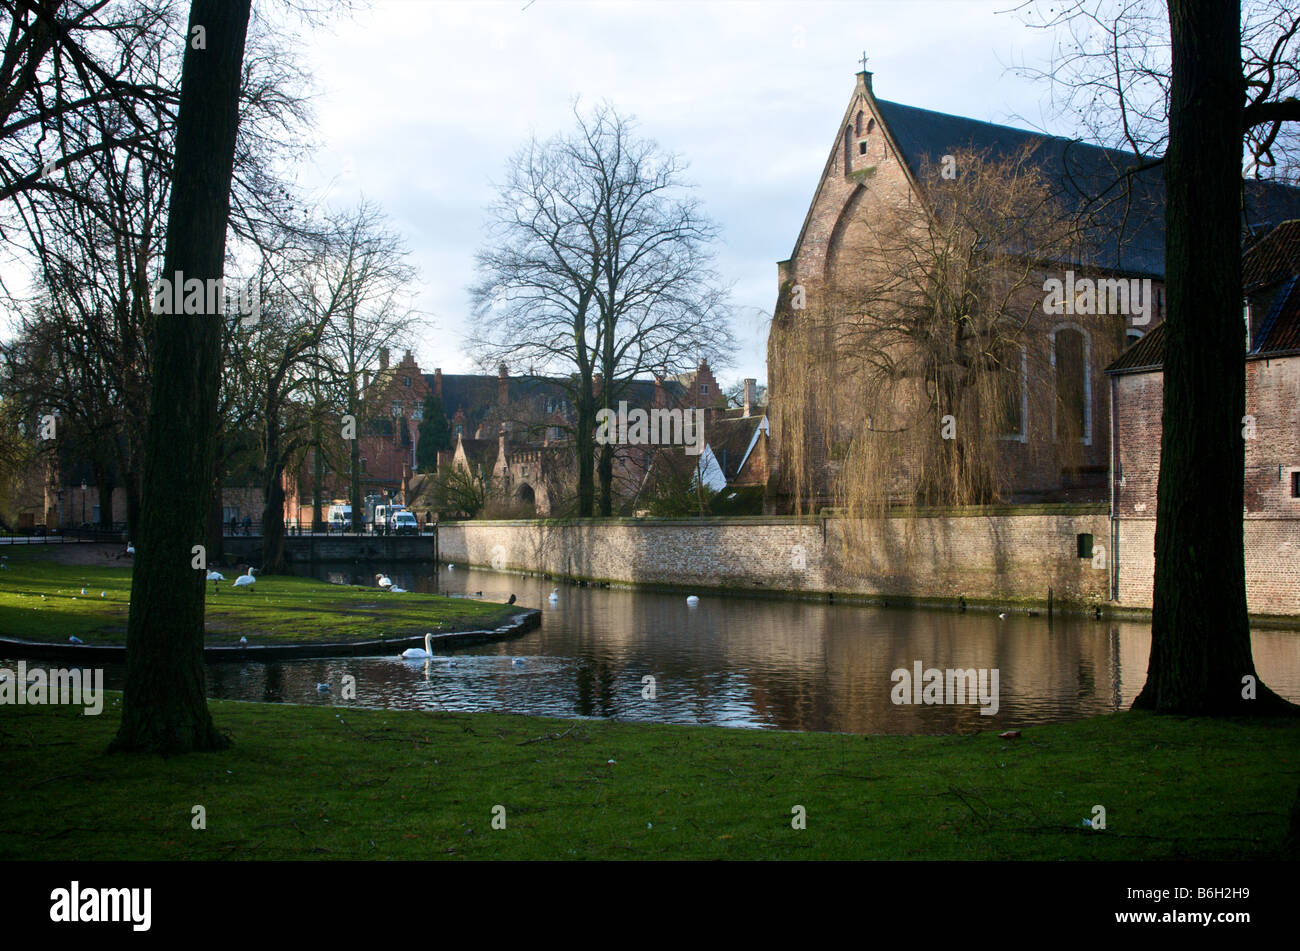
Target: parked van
<point>340,518</point>
<point>404,523</point>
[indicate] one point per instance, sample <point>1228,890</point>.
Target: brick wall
<point>1000,557</point>
<point>1272,516</point>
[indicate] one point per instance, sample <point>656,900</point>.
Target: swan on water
<point>555,595</point>
<point>415,653</point>
<point>692,600</point>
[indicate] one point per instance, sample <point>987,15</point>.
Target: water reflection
<point>794,665</point>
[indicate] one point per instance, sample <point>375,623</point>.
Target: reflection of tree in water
<point>273,684</point>
<point>596,690</point>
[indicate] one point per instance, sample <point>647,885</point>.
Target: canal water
<point>736,661</point>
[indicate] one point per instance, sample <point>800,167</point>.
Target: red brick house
<point>1271,431</point>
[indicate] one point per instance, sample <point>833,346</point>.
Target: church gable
<point>862,168</point>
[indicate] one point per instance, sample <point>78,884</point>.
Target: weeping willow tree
<point>912,375</point>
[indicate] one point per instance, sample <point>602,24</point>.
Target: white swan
<point>415,653</point>
<point>555,596</point>
<point>383,581</point>
<point>244,581</point>
<point>130,549</point>
<point>692,600</point>
<point>214,577</point>
<point>396,590</point>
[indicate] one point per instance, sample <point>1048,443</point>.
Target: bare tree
<point>365,284</point>
<point>599,264</point>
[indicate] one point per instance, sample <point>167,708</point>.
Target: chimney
<point>437,382</point>
<point>383,358</point>
<point>659,398</point>
<point>503,387</point>
<point>407,358</point>
<point>365,380</point>
<point>751,396</point>
<point>597,384</point>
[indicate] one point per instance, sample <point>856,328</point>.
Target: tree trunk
<point>585,447</point>
<point>318,481</point>
<point>1200,633</point>
<point>165,704</point>
<point>272,497</point>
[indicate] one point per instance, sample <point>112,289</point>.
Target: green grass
<point>340,783</point>
<point>41,600</point>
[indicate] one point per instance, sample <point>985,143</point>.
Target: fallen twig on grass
<point>548,736</point>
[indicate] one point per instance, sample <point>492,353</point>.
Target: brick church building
<point>881,162</point>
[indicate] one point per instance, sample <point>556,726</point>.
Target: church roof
<point>1271,279</point>
<point>1126,232</point>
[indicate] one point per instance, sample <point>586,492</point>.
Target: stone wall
<point>1008,555</point>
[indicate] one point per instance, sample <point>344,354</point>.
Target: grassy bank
<point>320,782</point>
<point>41,599</point>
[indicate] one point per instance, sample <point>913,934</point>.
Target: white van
<point>340,518</point>
<point>404,523</point>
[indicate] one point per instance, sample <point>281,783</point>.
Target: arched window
<point>1072,414</point>
<point>848,150</point>
<point>857,124</point>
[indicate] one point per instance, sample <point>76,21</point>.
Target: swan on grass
<point>415,653</point>
<point>245,581</point>
<point>383,581</point>
<point>396,590</point>
<point>214,577</point>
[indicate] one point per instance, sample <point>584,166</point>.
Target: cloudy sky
<point>419,103</point>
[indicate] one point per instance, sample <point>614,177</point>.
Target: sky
<point>420,103</point>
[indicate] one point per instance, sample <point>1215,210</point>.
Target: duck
<point>512,600</point>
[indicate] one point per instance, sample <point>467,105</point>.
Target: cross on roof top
<point>864,61</point>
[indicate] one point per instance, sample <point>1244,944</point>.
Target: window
<point>1084,545</point>
<point>857,124</point>
<point>417,413</point>
<point>1295,485</point>
<point>848,150</point>
<point>397,407</point>
<point>704,389</point>
<point>1072,418</point>
<point>363,463</point>
<point>871,124</point>
<point>406,381</point>
<point>862,148</point>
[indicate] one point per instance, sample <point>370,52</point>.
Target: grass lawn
<point>41,600</point>
<point>344,783</point>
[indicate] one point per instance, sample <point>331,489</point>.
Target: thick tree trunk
<point>165,705</point>
<point>318,482</point>
<point>272,497</point>
<point>1200,635</point>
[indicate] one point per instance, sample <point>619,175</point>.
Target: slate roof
<point>1271,280</point>
<point>1127,234</point>
<point>729,436</point>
